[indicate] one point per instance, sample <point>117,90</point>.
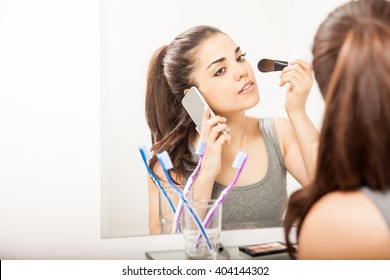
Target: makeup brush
<point>268,65</point>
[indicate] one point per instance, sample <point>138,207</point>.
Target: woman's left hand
<point>299,75</point>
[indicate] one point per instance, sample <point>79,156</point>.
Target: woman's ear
<point>186,91</point>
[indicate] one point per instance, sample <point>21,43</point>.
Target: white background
<point>51,104</point>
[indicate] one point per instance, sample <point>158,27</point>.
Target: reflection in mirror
<point>133,31</point>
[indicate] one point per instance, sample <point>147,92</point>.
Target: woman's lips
<point>248,88</point>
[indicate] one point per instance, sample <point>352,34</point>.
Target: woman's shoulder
<point>279,122</point>
<point>284,131</point>
<point>282,126</point>
<point>344,225</point>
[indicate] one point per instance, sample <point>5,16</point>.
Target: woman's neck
<point>238,123</point>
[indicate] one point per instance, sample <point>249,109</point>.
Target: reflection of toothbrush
<point>238,163</point>
<point>200,150</point>
<point>146,156</point>
<point>166,165</point>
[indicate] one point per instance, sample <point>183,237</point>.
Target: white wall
<point>50,119</point>
<point>50,128</point>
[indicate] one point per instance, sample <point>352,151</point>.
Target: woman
<point>345,214</point>
<point>207,58</point>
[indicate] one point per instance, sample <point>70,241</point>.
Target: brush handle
<point>193,213</point>
<point>166,196</point>
<point>279,65</point>
<point>200,151</point>
<point>197,220</point>
<point>219,201</point>
<point>211,213</point>
<point>187,187</point>
<point>179,210</point>
<point>157,182</point>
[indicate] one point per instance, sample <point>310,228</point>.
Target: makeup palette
<point>264,249</point>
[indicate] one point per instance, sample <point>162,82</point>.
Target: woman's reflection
<point>207,58</point>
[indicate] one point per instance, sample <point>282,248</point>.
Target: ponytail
<point>171,128</point>
<point>157,92</point>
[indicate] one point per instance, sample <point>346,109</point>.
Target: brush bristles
<point>239,160</point>
<point>268,65</point>
<point>200,148</point>
<point>145,151</point>
<point>165,160</point>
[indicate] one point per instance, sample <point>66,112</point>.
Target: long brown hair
<point>170,73</point>
<point>351,63</point>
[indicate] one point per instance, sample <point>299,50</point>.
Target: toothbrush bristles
<point>200,148</point>
<point>239,160</point>
<point>165,160</point>
<point>146,152</point>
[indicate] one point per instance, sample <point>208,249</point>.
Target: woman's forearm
<point>308,137</point>
<point>203,186</point>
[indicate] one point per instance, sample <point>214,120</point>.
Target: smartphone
<point>194,103</point>
<point>264,249</point>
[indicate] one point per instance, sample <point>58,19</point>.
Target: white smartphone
<point>194,104</point>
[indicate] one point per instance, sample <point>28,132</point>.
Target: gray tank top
<point>381,200</point>
<point>261,204</point>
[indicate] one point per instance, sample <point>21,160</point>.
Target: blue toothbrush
<point>166,165</point>
<point>146,156</point>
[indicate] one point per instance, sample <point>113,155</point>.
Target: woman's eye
<point>241,57</point>
<point>220,72</point>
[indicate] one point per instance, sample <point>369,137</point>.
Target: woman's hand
<point>212,132</point>
<point>299,75</point>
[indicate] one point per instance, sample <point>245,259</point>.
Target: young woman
<point>345,214</point>
<point>207,58</point>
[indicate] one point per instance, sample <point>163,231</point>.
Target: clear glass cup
<point>195,247</point>
<point>165,212</point>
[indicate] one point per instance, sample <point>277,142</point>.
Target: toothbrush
<point>166,165</point>
<point>238,163</point>
<point>146,156</point>
<point>200,150</point>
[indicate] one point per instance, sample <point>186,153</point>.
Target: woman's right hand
<point>299,74</point>
<point>212,132</point>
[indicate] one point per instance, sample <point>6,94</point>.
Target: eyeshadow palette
<point>264,249</point>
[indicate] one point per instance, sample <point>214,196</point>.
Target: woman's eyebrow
<point>222,58</point>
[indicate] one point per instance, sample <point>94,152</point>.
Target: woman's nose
<point>241,71</point>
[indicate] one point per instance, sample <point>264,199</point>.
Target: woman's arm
<point>154,220</point>
<point>299,76</point>
<point>308,138</point>
<point>293,158</point>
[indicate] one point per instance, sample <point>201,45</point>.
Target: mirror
<point>130,33</point>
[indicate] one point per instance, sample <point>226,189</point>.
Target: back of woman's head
<point>352,64</point>
<point>170,73</point>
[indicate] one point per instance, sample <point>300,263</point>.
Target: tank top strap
<point>271,141</point>
<point>381,200</point>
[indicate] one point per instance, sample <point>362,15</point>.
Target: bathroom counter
<point>170,246</point>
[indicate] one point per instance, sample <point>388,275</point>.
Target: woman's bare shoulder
<point>283,127</point>
<point>344,225</point>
